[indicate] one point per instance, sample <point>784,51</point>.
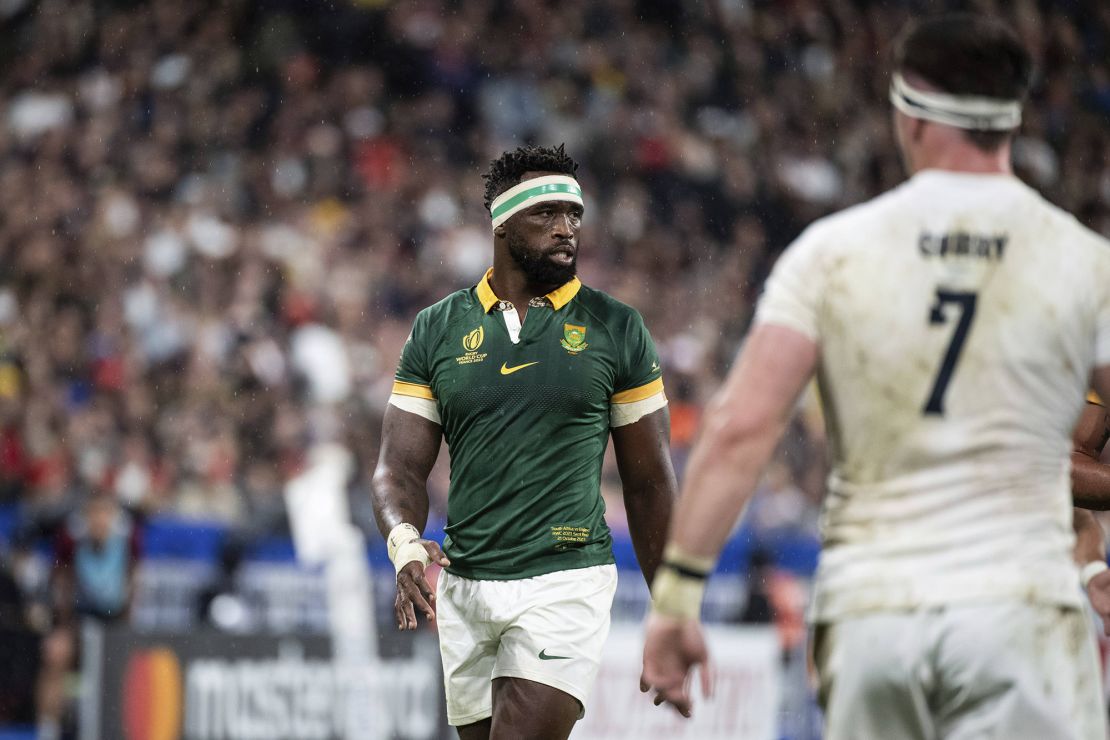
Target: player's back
<point>957,318</point>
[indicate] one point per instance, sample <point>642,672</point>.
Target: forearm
<point>722,474</point>
<point>399,497</point>
<point>1090,545</point>
<point>1090,482</point>
<point>649,510</point>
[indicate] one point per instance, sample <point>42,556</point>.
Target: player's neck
<point>509,283</point>
<point>966,158</point>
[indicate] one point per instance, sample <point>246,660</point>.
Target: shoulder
<point>1066,227</point>
<point>852,220</point>
<point>451,306</point>
<point>440,316</point>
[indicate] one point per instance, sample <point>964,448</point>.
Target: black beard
<point>537,268</point>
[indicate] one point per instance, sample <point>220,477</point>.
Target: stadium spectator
<point>188,184</point>
<point>93,578</point>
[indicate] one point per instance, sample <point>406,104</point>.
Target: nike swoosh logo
<point>545,656</point>
<point>506,370</point>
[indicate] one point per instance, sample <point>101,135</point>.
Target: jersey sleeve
<point>1102,331</point>
<point>412,384</point>
<point>793,293</point>
<point>639,384</point>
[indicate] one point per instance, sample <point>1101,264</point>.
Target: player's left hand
<point>672,647</point>
<point>1098,590</point>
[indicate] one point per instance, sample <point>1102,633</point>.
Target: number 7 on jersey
<point>966,302</point>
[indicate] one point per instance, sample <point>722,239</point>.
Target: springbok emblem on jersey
<point>574,338</point>
<point>473,340</point>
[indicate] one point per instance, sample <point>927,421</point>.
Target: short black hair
<point>506,170</point>
<point>967,54</point>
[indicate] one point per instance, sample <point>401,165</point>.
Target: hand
<point>1098,590</point>
<point>672,647</point>
<point>413,591</point>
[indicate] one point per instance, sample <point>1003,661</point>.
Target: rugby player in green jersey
<point>526,376</point>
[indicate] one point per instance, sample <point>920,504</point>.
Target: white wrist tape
<point>404,546</point>
<point>1090,570</point>
<point>676,595</point>
<point>680,584</point>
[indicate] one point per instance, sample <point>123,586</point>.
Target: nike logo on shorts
<point>545,656</point>
<point>506,370</point>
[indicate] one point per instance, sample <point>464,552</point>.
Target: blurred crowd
<point>220,217</point>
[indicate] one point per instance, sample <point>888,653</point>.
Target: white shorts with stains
<point>1009,670</point>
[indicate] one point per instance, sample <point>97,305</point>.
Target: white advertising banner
<point>745,703</point>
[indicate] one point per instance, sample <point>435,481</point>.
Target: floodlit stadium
<point>220,222</point>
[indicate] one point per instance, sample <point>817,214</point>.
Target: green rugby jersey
<point>527,424</point>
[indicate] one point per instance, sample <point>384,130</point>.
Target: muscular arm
<point>410,445</point>
<point>644,462</point>
<point>742,426</point>
<point>1090,479</point>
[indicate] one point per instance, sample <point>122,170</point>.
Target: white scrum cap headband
<point>530,192</point>
<point>962,111</point>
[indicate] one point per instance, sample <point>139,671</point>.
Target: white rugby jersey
<point>958,318</point>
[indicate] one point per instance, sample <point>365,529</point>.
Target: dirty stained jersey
<point>958,318</point>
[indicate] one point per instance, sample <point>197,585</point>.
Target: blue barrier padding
<point>170,538</point>
<point>8,732</point>
<point>8,516</point>
<point>164,537</point>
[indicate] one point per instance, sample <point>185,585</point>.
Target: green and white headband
<point>962,111</point>
<point>531,192</point>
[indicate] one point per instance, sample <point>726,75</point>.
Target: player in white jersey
<point>953,325</point>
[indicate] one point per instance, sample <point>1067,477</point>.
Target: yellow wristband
<point>680,583</point>
<point>676,595</point>
<point>403,545</point>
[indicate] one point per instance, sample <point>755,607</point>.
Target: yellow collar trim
<point>559,297</point>
<point>485,293</point>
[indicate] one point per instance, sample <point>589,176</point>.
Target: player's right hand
<point>672,649</point>
<point>413,590</point>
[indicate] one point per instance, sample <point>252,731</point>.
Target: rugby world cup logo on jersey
<point>471,342</point>
<point>574,338</point>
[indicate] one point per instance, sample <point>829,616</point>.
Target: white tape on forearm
<point>403,545</point>
<point>1090,570</point>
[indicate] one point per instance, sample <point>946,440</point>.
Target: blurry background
<point>218,220</point>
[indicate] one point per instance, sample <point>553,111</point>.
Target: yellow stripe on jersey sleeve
<point>1092,397</point>
<point>639,394</point>
<point>413,389</point>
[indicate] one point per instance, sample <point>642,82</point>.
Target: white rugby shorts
<point>1013,671</point>
<point>549,629</point>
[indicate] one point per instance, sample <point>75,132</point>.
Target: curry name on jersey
<point>527,422</point>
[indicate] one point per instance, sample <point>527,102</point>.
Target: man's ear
<point>499,231</point>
